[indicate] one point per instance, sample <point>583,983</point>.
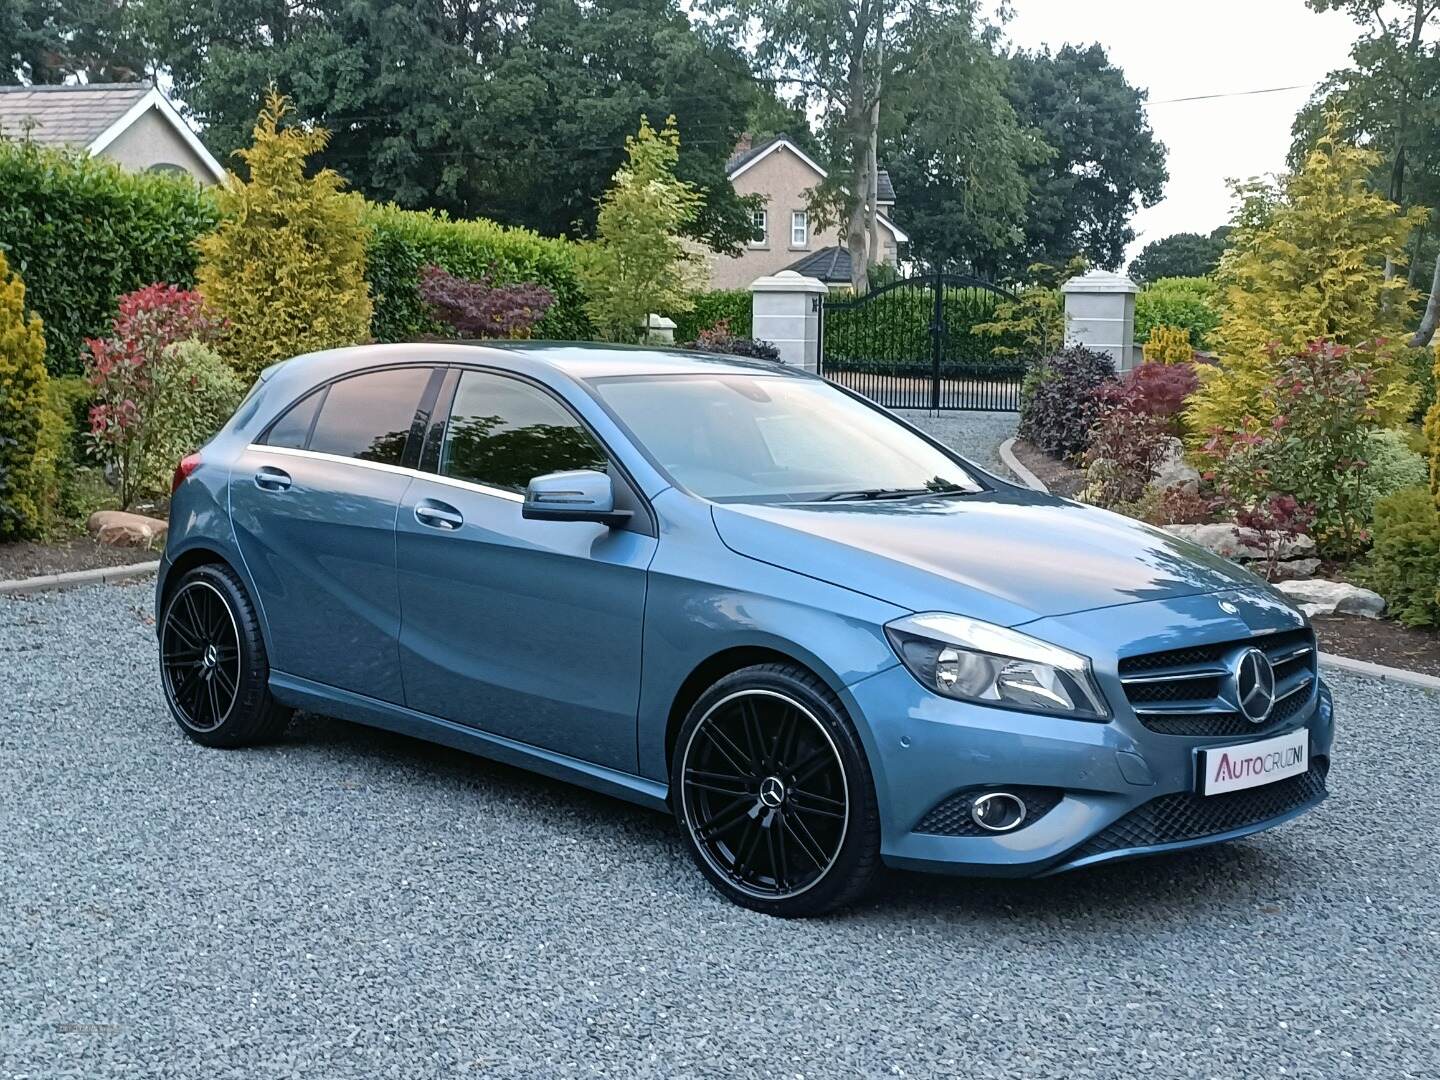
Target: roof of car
<point>578,359</point>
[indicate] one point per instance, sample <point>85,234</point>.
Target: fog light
<point>998,811</point>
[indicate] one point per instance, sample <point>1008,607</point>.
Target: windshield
<point>768,438</point>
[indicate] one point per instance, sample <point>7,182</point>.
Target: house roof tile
<point>66,115</point>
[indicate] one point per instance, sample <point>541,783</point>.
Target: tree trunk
<point>1426,332</point>
<point>876,252</point>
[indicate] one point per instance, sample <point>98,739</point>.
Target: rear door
<point>526,629</point>
<point>313,502</point>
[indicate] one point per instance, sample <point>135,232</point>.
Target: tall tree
<point>513,109</point>
<point>1183,254</point>
<point>957,153</point>
<point>1390,100</point>
<point>1107,162</point>
<point>51,41</point>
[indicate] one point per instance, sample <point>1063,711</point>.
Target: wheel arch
<point>716,666</point>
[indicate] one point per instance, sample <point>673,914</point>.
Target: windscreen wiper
<point>871,494</point>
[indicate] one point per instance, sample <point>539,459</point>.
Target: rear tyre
<point>773,793</point>
<point>213,664</point>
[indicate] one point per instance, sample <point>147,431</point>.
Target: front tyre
<point>213,664</point>
<point>773,793</point>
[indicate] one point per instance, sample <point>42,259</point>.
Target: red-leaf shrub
<point>122,369</point>
<point>480,308</point>
<point>719,339</point>
<point>1157,390</point>
<point>1060,400</point>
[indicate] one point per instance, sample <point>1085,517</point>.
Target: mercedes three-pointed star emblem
<point>1254,681</point>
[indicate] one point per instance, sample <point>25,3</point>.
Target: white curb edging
<point>1025,476</point>
<point>103,575</point>
<point>1380,671</point>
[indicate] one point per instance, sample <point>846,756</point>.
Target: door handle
<point>270,478</point>
<point>438,515</point>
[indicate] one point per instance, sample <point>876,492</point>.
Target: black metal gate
<point>913,345</point>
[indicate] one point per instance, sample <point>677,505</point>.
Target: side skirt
<point>330,701</point>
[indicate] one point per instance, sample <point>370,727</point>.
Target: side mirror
<point>576,495</point>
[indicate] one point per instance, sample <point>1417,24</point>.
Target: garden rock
<point>1237,543</point>
<point>1173,471</point>
<point>1316,596</point>
<point>1295,569</point>
<point>119,529</point>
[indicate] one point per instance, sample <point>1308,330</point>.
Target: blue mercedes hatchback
<point>731,589</point>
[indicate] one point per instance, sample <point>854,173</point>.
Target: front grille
<point>1188,816</point>
<point>1183,691</point>
<point>951,815</point>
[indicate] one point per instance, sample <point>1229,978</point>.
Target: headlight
<point>993,665</point>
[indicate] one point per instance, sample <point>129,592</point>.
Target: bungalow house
<point>786,237</point>
<point>131,123</point>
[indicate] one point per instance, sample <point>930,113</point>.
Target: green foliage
<point>286,266</point>
<point>1168,345</point>
<point>54,41</point>
<point>23,398</point>
<point>53,469</point>
<point>1188,302</point>
<point>83,231</point>
<point>1106,159</point>
<point>1180,255</point>
<point>516,112</point>
<point>195,393</point>
<point>1391,466</point>
<point>732,306</point>
<point>1432,430</point>
<point>1404,561</point>
<point>400,243</point>
<point>1306,262</point>
<point>1032,324</point>
<point>639,261</point>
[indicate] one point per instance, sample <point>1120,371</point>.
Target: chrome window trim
<point>380,466</point>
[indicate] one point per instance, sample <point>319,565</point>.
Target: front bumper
<point>1113,790</point>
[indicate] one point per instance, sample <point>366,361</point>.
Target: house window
<point>799,229</point>
<point>760,228</point>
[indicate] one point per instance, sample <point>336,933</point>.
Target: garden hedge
<point>1192,304</point>
<point>732,305</point>
<point>402,242</point>
<point>81,231</point>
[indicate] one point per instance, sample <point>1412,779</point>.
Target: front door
<point>314,504</point>
<point>525,629</point>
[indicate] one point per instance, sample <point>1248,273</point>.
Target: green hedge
<point>404,241</point>
<point>732,305</point>
<point>1190,303</point>
<point>891,332</point>
<point>80,231</point>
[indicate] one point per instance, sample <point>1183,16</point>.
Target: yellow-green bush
<point>52,469</point>
<point>286,266</point>
<point>1192,303</point>
<point>1305,263</point>
<point>23,383</point>
<point>1404,561</point>
<point>1168,345</point>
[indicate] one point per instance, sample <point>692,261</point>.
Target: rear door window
<point>292,430</point>
<point>369,416</point>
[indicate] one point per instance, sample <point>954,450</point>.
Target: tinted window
<point>293,428</point>
<point>369,416</point>
<point>504,433</point>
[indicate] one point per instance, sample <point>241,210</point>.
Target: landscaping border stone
<point>1024,475</point>
<point>103,575</point>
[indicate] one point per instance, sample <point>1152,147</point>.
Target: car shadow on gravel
<point>1249,873</point>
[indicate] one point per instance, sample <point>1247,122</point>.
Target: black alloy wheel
<point>765,792</point>
<point>200,655</point>
<point>212,661</point>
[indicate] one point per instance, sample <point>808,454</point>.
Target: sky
<point>1183,48</point>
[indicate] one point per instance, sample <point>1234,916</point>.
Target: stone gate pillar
<point>1100,314</point>
<point>785,310</point>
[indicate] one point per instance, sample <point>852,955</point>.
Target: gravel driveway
<point>356,904</point>
<point>977,435</point>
